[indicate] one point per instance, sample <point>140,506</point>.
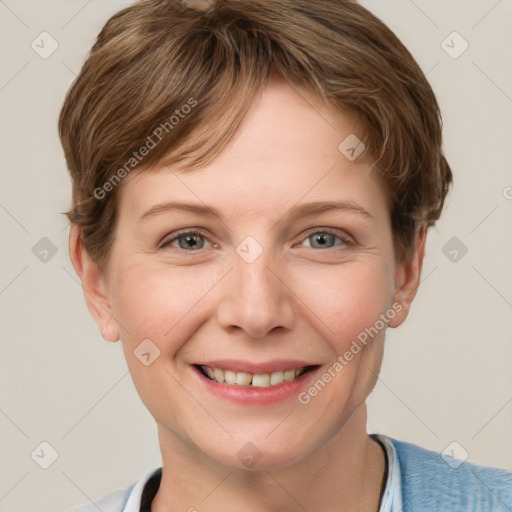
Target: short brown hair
<point>156,56</point>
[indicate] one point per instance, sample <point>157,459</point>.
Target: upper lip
<point>238,365</point>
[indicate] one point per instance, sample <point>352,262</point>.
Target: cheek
<point>157,303</point>
<point>347,299</point>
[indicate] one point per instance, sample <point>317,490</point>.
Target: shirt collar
<point>391,497</point>
<point>135,496</point>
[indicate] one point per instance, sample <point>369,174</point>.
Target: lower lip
<point>253,395</point>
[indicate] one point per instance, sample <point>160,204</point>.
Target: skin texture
<point>303,298</point>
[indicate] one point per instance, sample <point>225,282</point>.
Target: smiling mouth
<point>245,379</point>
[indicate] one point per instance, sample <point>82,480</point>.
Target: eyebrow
<point>297,212</point>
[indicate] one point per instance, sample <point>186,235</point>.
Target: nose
<point>255,298</point>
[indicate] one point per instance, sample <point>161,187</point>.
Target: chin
<point>260,455</point>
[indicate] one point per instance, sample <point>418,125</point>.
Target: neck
<point>345,473</point>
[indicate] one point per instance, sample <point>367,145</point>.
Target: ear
<point>407,277</point>
<point>94,285</point>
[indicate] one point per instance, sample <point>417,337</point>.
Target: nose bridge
<point>256,280</point>
<point>254,297</point>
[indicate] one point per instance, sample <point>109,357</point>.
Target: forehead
<point>286,151</point>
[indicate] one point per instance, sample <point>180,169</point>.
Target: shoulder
<point>125,500</point>
<point>435,481</point>
<point>114,502</point>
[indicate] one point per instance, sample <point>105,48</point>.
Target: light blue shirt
<point>418,480</point>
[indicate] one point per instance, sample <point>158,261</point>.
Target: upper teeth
<point>261,380</point>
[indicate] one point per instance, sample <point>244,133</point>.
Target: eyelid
<point>185,231</point>
<point>341,234</point>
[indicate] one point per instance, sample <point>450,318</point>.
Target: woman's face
<point>268,285</point>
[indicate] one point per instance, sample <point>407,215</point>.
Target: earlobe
<point>110,332</point>
<point>93,284</point>
<point>408,277</point>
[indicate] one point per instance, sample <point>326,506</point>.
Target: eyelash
<point>198,232</point>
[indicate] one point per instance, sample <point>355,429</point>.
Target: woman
<point>252,187</point>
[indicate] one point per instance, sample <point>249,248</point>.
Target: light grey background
<point>447,373</point>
